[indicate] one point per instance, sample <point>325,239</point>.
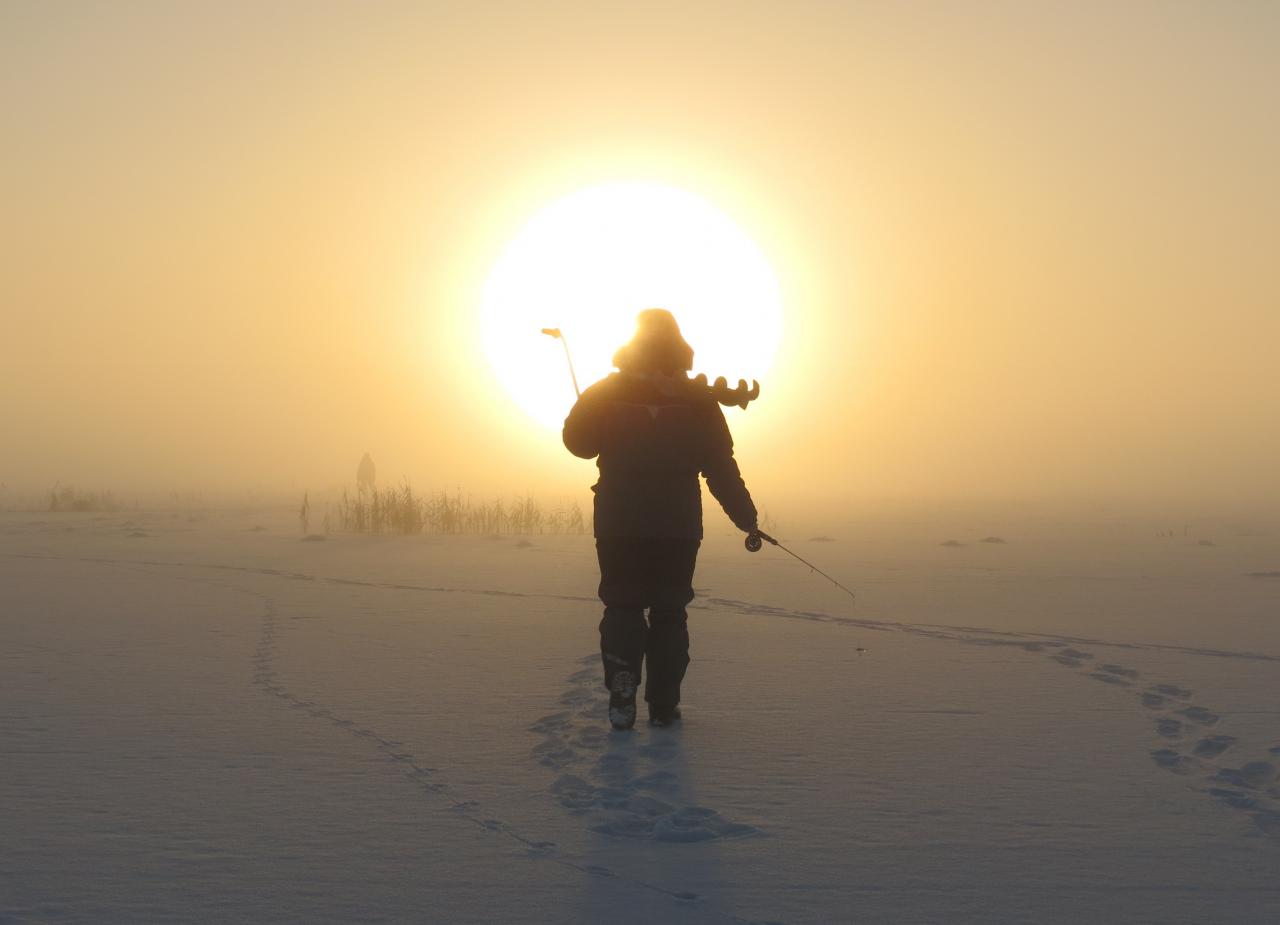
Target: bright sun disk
<point>588,263</point>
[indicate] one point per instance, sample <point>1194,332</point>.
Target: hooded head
<point>656,346</point>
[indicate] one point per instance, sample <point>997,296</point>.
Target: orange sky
<point>1025,250</point>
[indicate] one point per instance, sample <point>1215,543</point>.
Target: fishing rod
<point>757,538</point>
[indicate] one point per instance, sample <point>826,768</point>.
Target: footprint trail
<point>1253,787</point>
<point>624,784</point>
<point>568,742</point>
<point>427,779</point>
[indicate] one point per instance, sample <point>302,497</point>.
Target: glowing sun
<point>588,263</point>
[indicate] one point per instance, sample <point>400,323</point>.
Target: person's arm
<point>723,477</point>
<point>582,428</point>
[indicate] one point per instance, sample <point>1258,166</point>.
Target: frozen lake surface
<point>203,721</point>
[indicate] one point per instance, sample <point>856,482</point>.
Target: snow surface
<point>200,721</point>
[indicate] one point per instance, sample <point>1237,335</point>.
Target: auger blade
<point>740,396</point>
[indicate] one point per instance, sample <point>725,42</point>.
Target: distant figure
<point>366,474</point>
<point>654,431</point>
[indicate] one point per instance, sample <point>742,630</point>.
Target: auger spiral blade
<point>740,396</point>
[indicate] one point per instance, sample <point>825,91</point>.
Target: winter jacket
<point>653,437</point>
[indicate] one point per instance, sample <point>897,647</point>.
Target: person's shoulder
<point>608,384</point>
<point>601,390</point>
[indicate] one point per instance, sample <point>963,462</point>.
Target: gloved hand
<point>756,538</point>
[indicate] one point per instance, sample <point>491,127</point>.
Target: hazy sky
<point>1025,250</point>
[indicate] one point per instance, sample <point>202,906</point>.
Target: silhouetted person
<point>366,474</point>
<point>654,432</point>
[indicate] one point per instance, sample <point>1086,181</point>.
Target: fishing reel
<point>756,539</point>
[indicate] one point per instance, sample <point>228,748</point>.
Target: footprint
<point>698,823</point>
<point>1268,821</point>
<point>1170,760</point>
<point>1152,701</point>
<point>675,829</point>
<point>590,737</point>
<point>554,722</point>
<point>1233,798</point>
<point>649,806</point>
<point>574,792</point>
<point>552,754</point>
<point>1254,775</point>
<point>623,790</point>
<point>1169,728</point>
<point>1109,679</point>
<point>614,798</point>
<point>626,828</point>
<point>1172,690</point>
<point>1213,746</point>
<point>660,751</point>
<point>1200,715</point>
<point>613,763</point>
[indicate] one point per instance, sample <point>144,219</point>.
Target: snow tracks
<point>626,784</point>
<point>1222,765</point>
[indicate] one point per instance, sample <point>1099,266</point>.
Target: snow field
<point>207,724</point>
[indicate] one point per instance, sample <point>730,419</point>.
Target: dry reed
<point>67,498</point>
<point>399,510</point>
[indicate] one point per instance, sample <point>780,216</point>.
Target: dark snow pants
<point>640,573</point>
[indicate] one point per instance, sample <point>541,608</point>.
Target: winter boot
<point>663,715</point>
<point>622,701</point>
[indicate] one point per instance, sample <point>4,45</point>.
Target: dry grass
<point>67,498</point>
<point>399,510</point>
